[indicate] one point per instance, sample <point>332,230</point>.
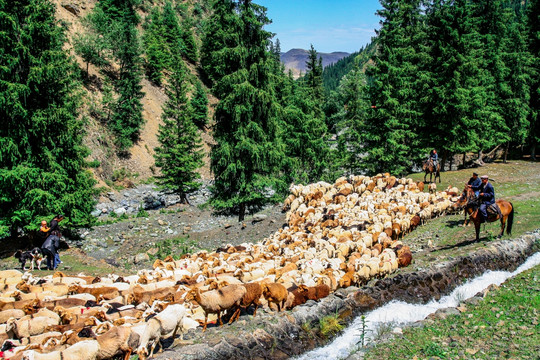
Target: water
<point>399,313</point>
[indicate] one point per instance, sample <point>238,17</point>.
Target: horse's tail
<point>510,220</point>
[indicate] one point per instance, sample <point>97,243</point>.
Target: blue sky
<point>338,25</point>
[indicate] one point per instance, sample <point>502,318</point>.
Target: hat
<point>484,177</point>
<point>475,174</point>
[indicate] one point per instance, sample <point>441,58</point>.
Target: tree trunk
<point>533,151</point>
<point>451,162</point>
<point>242,212</point>
<point>443,160</point>
<point>480,161</point>
<point>464,159</point>
<point>506,151</point>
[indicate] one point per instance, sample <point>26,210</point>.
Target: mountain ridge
<point>295,59</point>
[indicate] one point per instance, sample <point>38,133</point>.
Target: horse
<point>472,208</point>
<point>460,204</point>
<point>428,168</point>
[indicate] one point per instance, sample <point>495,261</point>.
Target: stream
<point>399,313</point>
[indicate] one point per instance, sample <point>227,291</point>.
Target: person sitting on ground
<point>487,195</point>
<point>434,157</point>
<point>475,183</point>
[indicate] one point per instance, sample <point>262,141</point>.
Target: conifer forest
<point>459,76</point>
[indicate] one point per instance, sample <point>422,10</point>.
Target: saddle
<point>493,210</point>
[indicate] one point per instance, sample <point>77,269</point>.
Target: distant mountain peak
<point>295,59</point>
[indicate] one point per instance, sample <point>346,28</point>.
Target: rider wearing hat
<point>475,183</point>
<point>487,195</point>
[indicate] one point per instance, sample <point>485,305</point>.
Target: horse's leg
<point>425,174</point>
<point>503,224</point>
<point>477,229</point>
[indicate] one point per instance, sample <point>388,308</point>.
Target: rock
<point>258,218</point>
<point>398,331</point>
<point>444,313</point>
<point>74,9</point>
<point>161,222</point>
<point>187,229</point>
<point>96,212</point>
<point>142,257</point>
<point>120,211</point>
<point>152,251</point>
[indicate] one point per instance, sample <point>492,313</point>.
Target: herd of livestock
<point>337,235</point>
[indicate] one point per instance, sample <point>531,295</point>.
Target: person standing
<point>50,250</point>
<point>55,230</point>
<point>475,183</point>
<point>487,196</point>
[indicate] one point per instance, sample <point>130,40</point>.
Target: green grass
<point>504,325</point>
<point>517,182</point>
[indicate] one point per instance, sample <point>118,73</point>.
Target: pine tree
<point>457,96</point>
<point>305,135</point>
<point>391,130</point>
<point>190,46</point>
<point>116,21</point>
<point>248,154</point>
<point>180,152</point>
<point>220,41</point>
<point>353,94</point>
<point>313,77</point>
<point>199,104</point>
<point>42,167</point>
<point>533,22</point>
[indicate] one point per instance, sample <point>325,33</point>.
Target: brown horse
<point>428,168</point>
<point>472,208</point>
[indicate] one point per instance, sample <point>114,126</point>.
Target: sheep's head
<point>59,274</point>
<point>142,352</point>
<point>73,289</point>
<point>28,355</point>
<point>23,286</point>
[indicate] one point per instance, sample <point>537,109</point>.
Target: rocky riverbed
<point>136,223</point>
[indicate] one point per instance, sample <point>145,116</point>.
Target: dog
<point>35,256</point>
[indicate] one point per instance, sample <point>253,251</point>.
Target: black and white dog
<point>35,256</point>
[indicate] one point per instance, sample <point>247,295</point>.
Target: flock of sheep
<point>337,235</point>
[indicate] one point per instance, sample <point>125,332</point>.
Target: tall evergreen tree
<point>305,135</point>
<point>41,152</point>
<point>247,156</point>
<point>221,41</point>
<point>456,95</point>
<point>116,21</point>
<point>533,23</point>
<point>390,133</point>
<point>180,152</point>
<point>199,104</point>
<point>313,77</point>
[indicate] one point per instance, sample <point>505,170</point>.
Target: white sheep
<point>83,350</point>
<point>167,321</point>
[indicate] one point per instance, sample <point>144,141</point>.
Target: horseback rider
<point>434,158</point>
<point>475,183</point>
<point>487,196</point>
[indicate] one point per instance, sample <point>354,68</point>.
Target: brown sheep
<point>404,255</point>
<point>275,293</point>
<point>251,297</point>
<point>107,292</point>
<point>216,301</point>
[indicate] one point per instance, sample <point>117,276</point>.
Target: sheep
<point>167,321</point>
<point>5,315</point>
<point>216,301</point>
<point>275,293</point>
<point>29,327</point>
<point>84,350</point>
<point>251,297</point>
